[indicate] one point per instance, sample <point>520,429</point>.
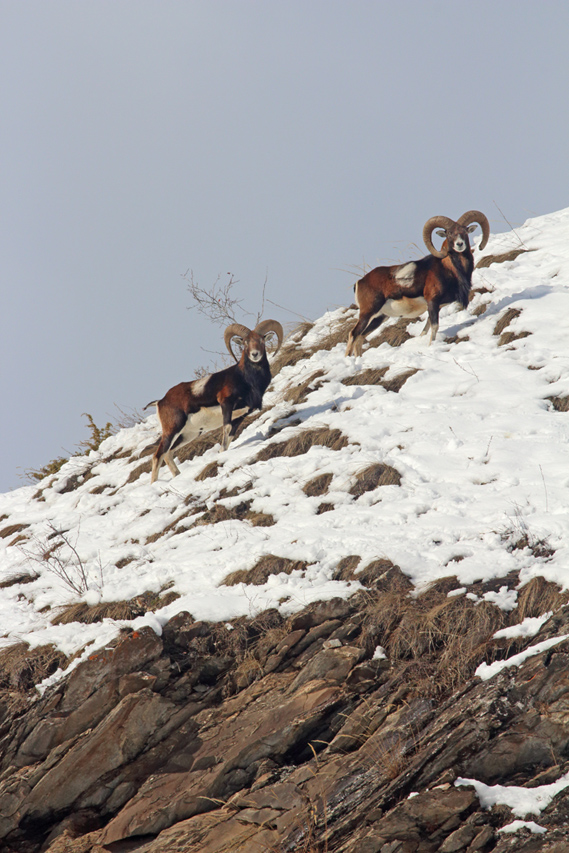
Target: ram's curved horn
<point>476,216</point>
<point>235,330</point>
<point>429,227</point>
<point>266,326</point>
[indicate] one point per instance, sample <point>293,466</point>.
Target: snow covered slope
<point>471,441</point>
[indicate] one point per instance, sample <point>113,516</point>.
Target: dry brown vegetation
<point>319,485</point>
<point>560,404</point>
<point>297,394</point>
<point>263,569</point>
<point>393,334</point>
<point>302,442</point>
<point>21,667</point>
<point>374,376</point>
<point>537,597</point>
<point>503,322</point>
<point>437,641</point>
<point>487,260</point>
<point>373,476</point>
<point>119,610</point>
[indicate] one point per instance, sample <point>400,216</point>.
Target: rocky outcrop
<point>274,735</point>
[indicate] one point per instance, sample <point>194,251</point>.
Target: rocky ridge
<point>284,735</point>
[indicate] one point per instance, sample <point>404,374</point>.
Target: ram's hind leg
<point>363,327</point>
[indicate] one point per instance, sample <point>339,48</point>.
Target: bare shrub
<point>59,556</point>
<point>263,569</point>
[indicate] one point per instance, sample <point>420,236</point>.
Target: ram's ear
<point>441,233</point>
<point>472,228</point>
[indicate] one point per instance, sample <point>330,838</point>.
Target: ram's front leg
<point>433,320</point>
<point>228,431</point>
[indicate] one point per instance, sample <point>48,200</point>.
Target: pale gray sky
<point>282,140</point>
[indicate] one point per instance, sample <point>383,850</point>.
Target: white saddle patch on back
<point>198,385</point>
<point>405,274</point>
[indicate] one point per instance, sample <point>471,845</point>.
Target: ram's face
<point>457,237</point>
<point>255,347</point>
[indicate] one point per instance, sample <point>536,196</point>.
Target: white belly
<point>406,307</point>
<point>206,420</point>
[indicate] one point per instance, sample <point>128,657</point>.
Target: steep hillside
<point>275,649</point>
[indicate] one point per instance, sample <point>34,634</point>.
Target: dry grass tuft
<point>373,476</point>
<point>370,376</point>
<point>487,260</point>
<point>263,569</point>
<point>297,394</point>
<point>375,377</point>
<point>537,597</point>
<point>434,642</point>
<point>241,512</point>
<point>25,577</point>
<point>393,334</point>
<point>148,602</point>
<point>345,569</point>
<point>21,667</point>
<point>325,507</point>
<point>506,319</point>
<point>11,529</point>
<point>302,442</point>
<point>378,574</point>
<point>560,404</point>
<point>454,633</point>
<point>338,334</point>
<point>318,486</point>
<point>210,470</point>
